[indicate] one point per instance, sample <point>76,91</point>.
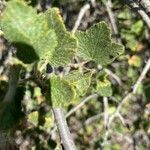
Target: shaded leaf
<point>95,44</point>
<point>29,31</point>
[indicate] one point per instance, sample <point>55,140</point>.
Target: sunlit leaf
<point>67,42</point>
<point>95,44</point>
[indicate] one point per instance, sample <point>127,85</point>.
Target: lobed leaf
<point>37,36</point>
<point>67,42</point>
<point>95,44</point>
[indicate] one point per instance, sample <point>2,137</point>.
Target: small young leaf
<point>104,88</point>
<point>95,44</point>
<point>80,82</point>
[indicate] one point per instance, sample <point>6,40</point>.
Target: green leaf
<point>95,44</point>
<point>67,42</point>
<point>62,93</point>
<point>104,88</point>
<point>79,81</point>
<point>28,31</point>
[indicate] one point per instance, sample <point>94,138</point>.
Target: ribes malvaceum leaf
<point>37,36</point>
<point>67,42</point>
<point>104,88</point>
<point>28,30</point>
<point>62,93</point>
<point>96,44</point>
<point>79,81</point>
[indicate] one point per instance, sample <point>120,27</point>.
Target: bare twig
<point>93,2</point>
<point>80,16</point>
<point>63,129</point>
<point>113,75</point>
<point>130,95</point>
<point>112,18</point>
<point>93,96</point>
<point>93,118</point>
<point>142,13</point>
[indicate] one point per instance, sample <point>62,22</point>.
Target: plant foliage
<point>96,44</point>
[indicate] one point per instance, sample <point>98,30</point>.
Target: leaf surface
<point>79,81</point>
<point>28,31</point>
<point>38,36</point>
<point>62,93</point>
<point>95,44</point>
<point>67,42</point>
<point>104,88</point>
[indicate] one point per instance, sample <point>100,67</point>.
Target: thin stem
<point>146,5</point>
<point>80,16</point>
<point>106,115</point>
<point>93,96</point>
<point>142,76</point>
<point>63,129</point>
<point>112,18</point>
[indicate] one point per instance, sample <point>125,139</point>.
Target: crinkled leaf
<point>62,93</point>
<point>104,88</point>
<point>95,44</point>
<point>29,31</point>
<point>79,81</point>
<point>67,42</point>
